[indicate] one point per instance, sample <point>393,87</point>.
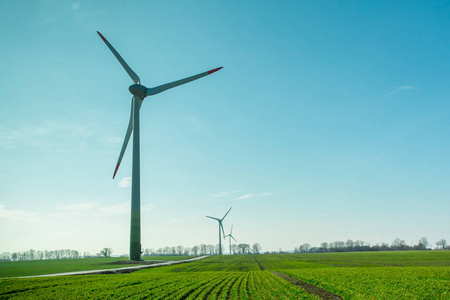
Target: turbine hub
<point>138,90</point>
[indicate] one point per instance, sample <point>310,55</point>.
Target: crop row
<point>199,285</point>
<point>229,263</point>
<point>380,283</point>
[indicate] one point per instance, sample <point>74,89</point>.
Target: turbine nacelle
<point>138,90</point>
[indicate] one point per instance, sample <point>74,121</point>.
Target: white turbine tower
<point>220,227</point>
<point>230,236</point>
<point>139,93</point>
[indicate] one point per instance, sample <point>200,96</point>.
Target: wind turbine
<point>139,93</point>
<point>230,236</point>
<point>220,227</point>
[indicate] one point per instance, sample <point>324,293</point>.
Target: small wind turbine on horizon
<point>139,93</point>
<point>220,227</point>
<point>230,236</point>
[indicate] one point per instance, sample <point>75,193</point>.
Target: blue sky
<point>329,121</point>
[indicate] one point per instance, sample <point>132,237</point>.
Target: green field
<point>370,275</point>
<point>41,267</point>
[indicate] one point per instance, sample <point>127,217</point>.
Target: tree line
<point>201,249</point>
<point>236,249</point>
<point>204,249</point>
<point>52,254</point>
<point>354,246</point>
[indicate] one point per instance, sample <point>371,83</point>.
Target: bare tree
<point>358,245</point>
<point>349,244</point>
<point>340,246</point>
<point>180,250</point>
<point>423,243</point>
<point>106,252</point>
<point>304,247</point>
<point>256,248</point>
<point>210,249</point>
<point>216,249</point>
<point>244,248</point>
<point>195,250</point>
<point>442,243</point>
<point>5,256</point>
<point>203,249</point>
<point>398,244</point>
<point>30,254</point>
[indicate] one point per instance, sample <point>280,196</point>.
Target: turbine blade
<point>127,68</point>
<point>227,213</point>
<point>233,238</point>
<point>213,218</point>
<point>221,226</point>
<point>231,232</point>
<point>127,138</point>
<point>162,88</point>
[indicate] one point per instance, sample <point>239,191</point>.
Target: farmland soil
<point>259,265</point>
<point>310,288</point>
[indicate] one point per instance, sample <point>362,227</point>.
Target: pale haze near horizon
<point>329,121</point>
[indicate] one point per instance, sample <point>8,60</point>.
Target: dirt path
<point>310,288</point>
<point>259,265</point>
<point>123,270</point>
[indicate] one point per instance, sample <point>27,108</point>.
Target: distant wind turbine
<point>139,93</point>
<point>220,228</point>
<point>230,236</point>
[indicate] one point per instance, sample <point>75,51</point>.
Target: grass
<point>381,283</point>
<point>355,259</point>
<point>41,267</point>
